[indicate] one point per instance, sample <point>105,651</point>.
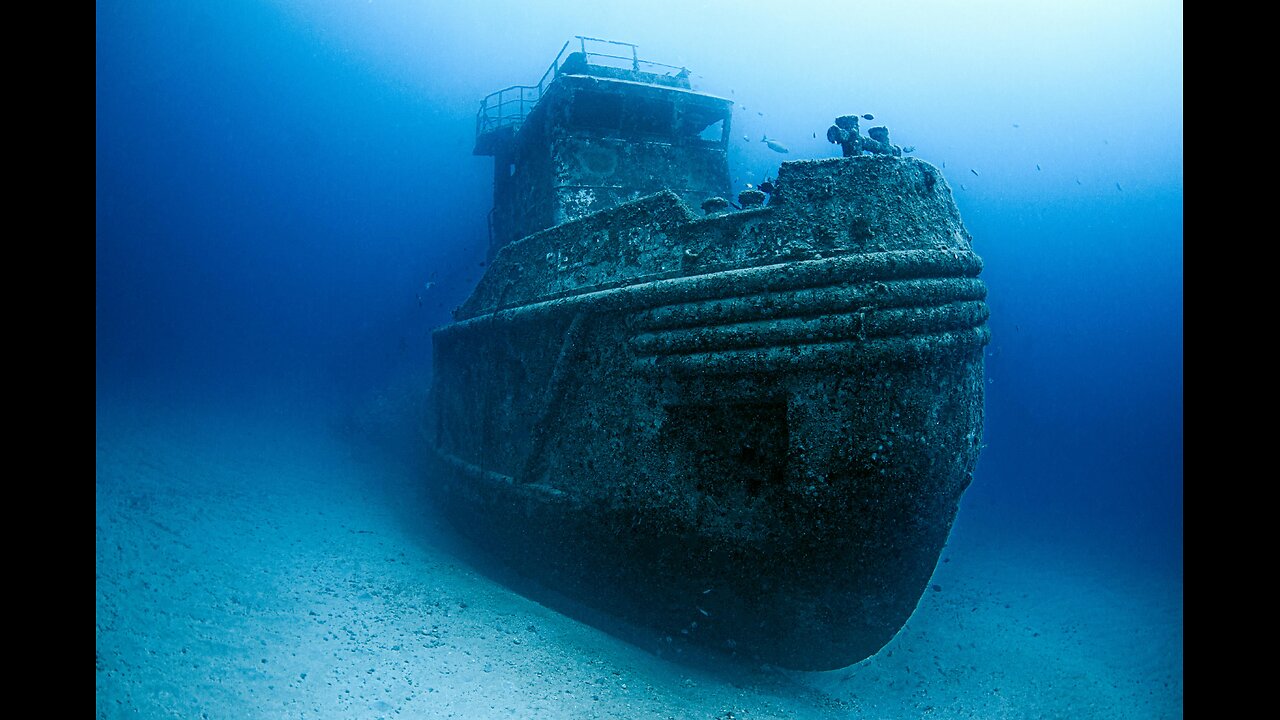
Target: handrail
<point>497,111</point>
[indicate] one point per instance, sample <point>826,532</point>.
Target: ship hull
<point>759,455</point>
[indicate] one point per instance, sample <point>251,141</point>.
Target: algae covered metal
<point>747,429</point>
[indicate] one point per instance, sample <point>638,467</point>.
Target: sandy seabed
<point>258,566</point>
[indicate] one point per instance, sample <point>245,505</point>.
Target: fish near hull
<point>749,432</point>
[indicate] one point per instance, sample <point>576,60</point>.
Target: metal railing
<point>511,105</point>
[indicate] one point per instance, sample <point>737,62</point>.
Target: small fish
<point>774,145</point>
<point>868,116</point>
<point>704,592</point>
<point>704,612</point>
<point>962,187</point>
<point>760,113</point>
<point>815,136</point>
<point>1078,181</point>
<point>909,149</point>
<point>975,172</point>
<point>1037,166</point>
<point>944,164</point>
<point>744,137</point>
<point>428,285</point>
<point>1016,125</point>
<point>1119,188</point>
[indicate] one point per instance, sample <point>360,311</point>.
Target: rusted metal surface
<point>748,430</point>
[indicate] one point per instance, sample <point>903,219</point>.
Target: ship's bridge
<point>601,127</point>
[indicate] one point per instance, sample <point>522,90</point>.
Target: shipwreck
<point>740,421</point>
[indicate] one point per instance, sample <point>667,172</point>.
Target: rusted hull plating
<point>757,455</point>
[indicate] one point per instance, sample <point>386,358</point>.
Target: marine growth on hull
<point>743,425</point>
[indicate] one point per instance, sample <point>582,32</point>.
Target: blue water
<point>287,204</point>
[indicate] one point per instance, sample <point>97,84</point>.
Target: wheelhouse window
<point>596,110</point>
